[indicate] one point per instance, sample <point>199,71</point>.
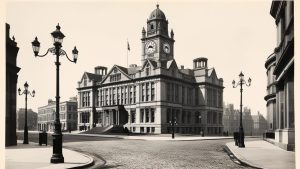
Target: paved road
<point>123,154</point>
<point>159,154</point>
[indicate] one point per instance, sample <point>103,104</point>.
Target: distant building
<point>260,124</point>
<point>271,92</point>
<point>68,115</point>
<point>11,89</point>
<point>155,92</point>
<point>231,120</point>
<point>282,118</point>
<point>31,119</point>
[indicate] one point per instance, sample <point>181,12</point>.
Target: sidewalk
<point>261,154</point>
<point>33,156</point>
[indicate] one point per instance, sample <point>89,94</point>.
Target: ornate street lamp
<point>241,83</point>
<point>58,36</point>
<point>26,92</point>
<point>172,124</point>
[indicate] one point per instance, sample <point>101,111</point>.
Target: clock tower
<point>157,44</point>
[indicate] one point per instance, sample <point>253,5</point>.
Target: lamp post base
<point>57,156</point>
<point>25,141</point>
<point>241,139</point>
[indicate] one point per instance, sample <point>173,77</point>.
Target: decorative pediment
<point>116,73</point>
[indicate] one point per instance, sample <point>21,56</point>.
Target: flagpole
<point>127,52</point>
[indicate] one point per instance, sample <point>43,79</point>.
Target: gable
<point>213,75</point>
<point>85,81</point>
<point>147,62</point>
<point>117,73</point>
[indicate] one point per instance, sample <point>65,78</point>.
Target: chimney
<point>182,67</point>
<point>132,65</point>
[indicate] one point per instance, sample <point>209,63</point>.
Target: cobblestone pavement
<point>205,154</point>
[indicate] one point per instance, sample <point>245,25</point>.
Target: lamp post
<point>26,92</point>
<point>173,123</point>
<point>57,156</point>
<point>241,83</point>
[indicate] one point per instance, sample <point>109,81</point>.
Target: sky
<point>235,36</point>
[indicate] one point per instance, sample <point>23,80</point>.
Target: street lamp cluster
<point>26,92</point>
<point>240,83</point>
<point>58,36</point>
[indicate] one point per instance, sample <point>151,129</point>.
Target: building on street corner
<point>154,93</point>
<point>31,119</point>
<point>280,71</point>
<point>68,115</point>
<point>11,88</point>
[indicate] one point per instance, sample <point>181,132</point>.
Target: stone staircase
<point>105,130</point>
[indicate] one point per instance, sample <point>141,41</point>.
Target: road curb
<point>87,164</point>
<point>241,159</point>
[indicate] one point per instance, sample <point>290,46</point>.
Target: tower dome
<point>157,14</point>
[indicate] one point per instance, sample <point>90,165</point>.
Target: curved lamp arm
<point>234,85</point>
<point>62,52</point>
<point>51,50</point>
<point>32,94</point>
<point>249,82</point>
<point>19,92</point>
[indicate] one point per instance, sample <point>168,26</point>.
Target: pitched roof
<point>122,68</point>
<point>94,77</point>
<point>133,70</point>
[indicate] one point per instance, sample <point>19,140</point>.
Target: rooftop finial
<point>58,27</point>
<point>157,5</point>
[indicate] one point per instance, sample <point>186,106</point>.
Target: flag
<point>128,47</point>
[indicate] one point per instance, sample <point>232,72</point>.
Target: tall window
<point>142,115</point>
<point>152,91</point>
<point>134,94</point>
<point>143,92</point>
<point>147,115</point>
<point>132,115</point>
<point>152,115</point>
<point>122,95</point>
<point>168,115</point>
<point>126,96</point>
<point>147,91</point>
<point>106,97</point>
<point>130,94</point>
<point>118,95</point>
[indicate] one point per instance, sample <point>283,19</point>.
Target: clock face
<point>166,48</point>
<point>150,47</point>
